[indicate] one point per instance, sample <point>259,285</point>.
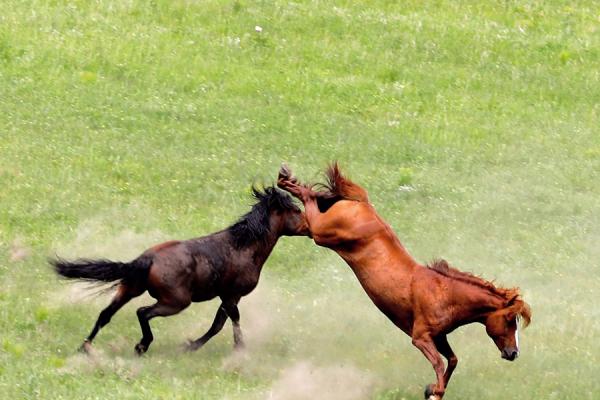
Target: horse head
<point>502,326</point>
<point>285,217</point>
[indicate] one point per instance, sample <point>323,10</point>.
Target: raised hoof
<point>429,395</point>
<point>284,171</point>
<point>86,347</point>
<point>285,174</point>
<point>140,349</point>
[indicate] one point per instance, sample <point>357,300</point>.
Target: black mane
<point>254,226</point>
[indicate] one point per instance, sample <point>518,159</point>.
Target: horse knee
<point>453,361</point>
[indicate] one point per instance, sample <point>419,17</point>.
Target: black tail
<point>104,270</point>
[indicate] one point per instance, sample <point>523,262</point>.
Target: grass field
<point>474,126</point>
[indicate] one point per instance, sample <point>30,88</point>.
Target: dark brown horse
<point>226,264</point>
<point>426,302</point>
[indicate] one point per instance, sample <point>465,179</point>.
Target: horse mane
<point>340,186</point>
<point>512,296</point>
<point>254,226</point>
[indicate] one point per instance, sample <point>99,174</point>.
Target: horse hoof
<point>191,346</point>
<point>86,347</point>
<point>429,395</point>
<point>140,349</point>
<point>239,347</point>
<point>284,171</point>
<point>285,174</point>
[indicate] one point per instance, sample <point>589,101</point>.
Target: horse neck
<point>261,249</point>
<point>478,303</point>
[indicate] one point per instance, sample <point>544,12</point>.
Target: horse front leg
<point>215,328</point>
<point>234,314</point>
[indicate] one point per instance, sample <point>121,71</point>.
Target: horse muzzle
<point>510,353</point>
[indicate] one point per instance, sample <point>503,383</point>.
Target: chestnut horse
<point>426,302</point>
<point>226,264</point>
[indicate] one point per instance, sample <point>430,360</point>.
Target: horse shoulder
<point>431,296</point>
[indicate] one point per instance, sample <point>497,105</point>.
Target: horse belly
<point>204,285</point>
<point>204,282</point>
<point>203,295</point>
<point>392,298</point>
<point>241,283</point>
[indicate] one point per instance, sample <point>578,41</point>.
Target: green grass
<point>474,126</point>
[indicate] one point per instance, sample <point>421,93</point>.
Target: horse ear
<point>256,193</point>
<point>511,314</point>
<point>517,307</point>
<point>513,307</point>
<point>512,300</point>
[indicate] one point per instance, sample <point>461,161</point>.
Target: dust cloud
<point>306,381</point>
<point>18,251</point>
<point>96,360</point>
<point>96,238</point>
<point>107,235</point>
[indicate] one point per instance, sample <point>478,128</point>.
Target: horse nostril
<point>510,354</point>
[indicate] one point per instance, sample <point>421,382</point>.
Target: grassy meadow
<point>475,127</point>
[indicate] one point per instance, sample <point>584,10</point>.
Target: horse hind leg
<point>441,343</point>
<point>123,295</point>
<point>424,343</point>
<point>145,314</point>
